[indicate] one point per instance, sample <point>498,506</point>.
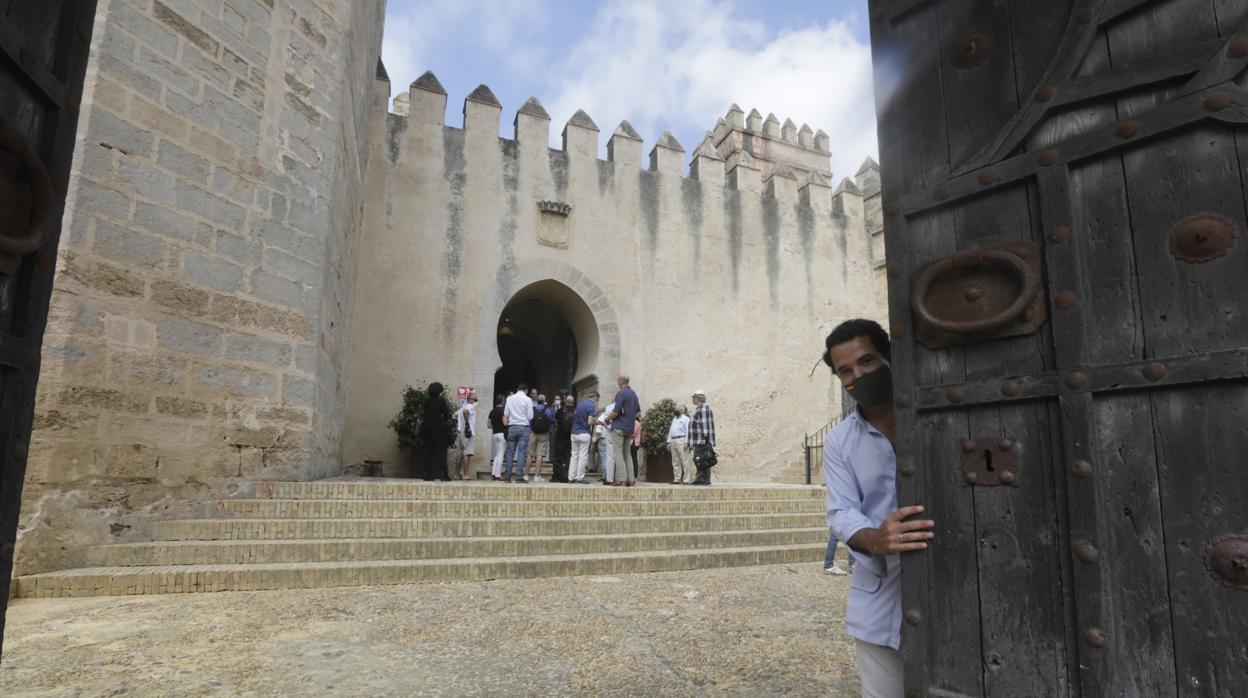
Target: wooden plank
<point>1146,71</point>
<point>912,148</point>
<point>1218,366</point>
<point>1022,649</point>
<point>1200,438</point>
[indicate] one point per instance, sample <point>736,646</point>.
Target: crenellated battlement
<point>743,153</point>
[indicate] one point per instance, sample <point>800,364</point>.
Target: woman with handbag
<point>702,438</point>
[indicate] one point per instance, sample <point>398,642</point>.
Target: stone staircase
<point>346,532</point>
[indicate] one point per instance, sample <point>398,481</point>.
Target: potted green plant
<point>655,424</point>
<point>406,425</point>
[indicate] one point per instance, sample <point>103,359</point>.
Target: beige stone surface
<point>681,279</point>
<point>751,631</point>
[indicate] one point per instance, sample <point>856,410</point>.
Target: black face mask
<point>871,389</point>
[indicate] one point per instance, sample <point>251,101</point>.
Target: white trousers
<point>500,447</point>
<point>879,670</point>
<point>580,457</point>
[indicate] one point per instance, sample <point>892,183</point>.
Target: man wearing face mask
<point>859,469</point>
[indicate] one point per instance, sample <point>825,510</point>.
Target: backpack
<point>541,422</point>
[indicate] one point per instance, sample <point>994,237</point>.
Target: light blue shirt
<point>679,428</point>
<point>860,471</point>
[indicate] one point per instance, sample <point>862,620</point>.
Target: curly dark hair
<point>435,389</point>
<point>859,327</point>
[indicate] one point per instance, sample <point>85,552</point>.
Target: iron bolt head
<point>1086,552</point>
<point>968,445</point>
<point>1005,444</point>
<point>1238,47</point>
<point>1008,477</point>
<point>1011,389</point>
<point>973,294</point>
<point>902,400</point>
<point>1064,300</point>
<point>1046,93</point>
<point>956,394</point>
<point>970,478</point>
<point>1154,370</point>
<point>1059,234</point>
<point>1218,101</point>
<point>894,271</point>
<point>941,192</point>
<point>1095,637</point>
<point>1127,129</point>
<point>1048,158</point>
<point>906,469</point>
<point>1084,14</point>
<point>892,208</point>
<point>1081,469</point>
<point>1077,380</point>
<point>914,617</point>
<point>985,177</point>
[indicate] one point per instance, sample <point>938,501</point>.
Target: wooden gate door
<point>1064,195</point>
<point>43,57</point>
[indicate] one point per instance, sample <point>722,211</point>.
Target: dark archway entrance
<point>547,339</point>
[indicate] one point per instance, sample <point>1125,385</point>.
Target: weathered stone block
<point>213,272</point>
<point>88,397</point>
<point>275,289</point>
<point>111,131</point>
<point>179,407</point>
<point>234,380</point>
<point>144,371</point>
<point>164,222</point>
<point>245,313</point>
<point>156,118</point>
<point>101,276</point>
<point>187,29</point>
<point>236,248</point>
<point>182,162</point>
<point>180,297</point>
<point>202,203</point>
<point>300,392</point>
<point>127,245</point>
<point>265,437</point>
<point>188,336</point>
<point>292,267</point>
<point>214,147</point>
<point>256,350</point>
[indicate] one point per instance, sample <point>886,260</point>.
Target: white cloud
<point>423,35</point>
<point>677,66</point>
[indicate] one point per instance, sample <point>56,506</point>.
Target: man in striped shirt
<point>701,433</point>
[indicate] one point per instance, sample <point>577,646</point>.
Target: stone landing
<point>348,532</point>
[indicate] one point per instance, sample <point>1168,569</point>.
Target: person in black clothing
<point>561,441</point>
<point>436,431</point>
<point>499,444</point>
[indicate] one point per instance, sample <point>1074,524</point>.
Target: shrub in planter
<point>655,424</point>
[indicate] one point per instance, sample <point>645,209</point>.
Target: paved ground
<point>747,631</point>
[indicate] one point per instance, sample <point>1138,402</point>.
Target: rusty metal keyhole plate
<point>981,294</point>
<point>989,462</point>
<point>1228,561</point>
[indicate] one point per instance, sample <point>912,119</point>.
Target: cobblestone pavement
<point>745,631</point>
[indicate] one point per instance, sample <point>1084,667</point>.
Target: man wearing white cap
<point>702,438</point>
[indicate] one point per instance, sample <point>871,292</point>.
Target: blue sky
<point>660,64</point>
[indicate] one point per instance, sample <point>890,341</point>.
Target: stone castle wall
<point>717,279</point>
<point>197,335</point>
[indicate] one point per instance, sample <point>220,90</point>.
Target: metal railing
<point>812,445</point>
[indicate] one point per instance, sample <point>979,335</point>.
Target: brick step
<point>388,488</point>
<point>293,529</point>
<point>108,581</point>
<point>343,549</point>
<point>396,508</point>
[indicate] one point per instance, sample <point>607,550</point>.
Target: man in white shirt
<point>678,445</point>
<point>517,414</point>
<point>602,427</point>
<point>466,430</point>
